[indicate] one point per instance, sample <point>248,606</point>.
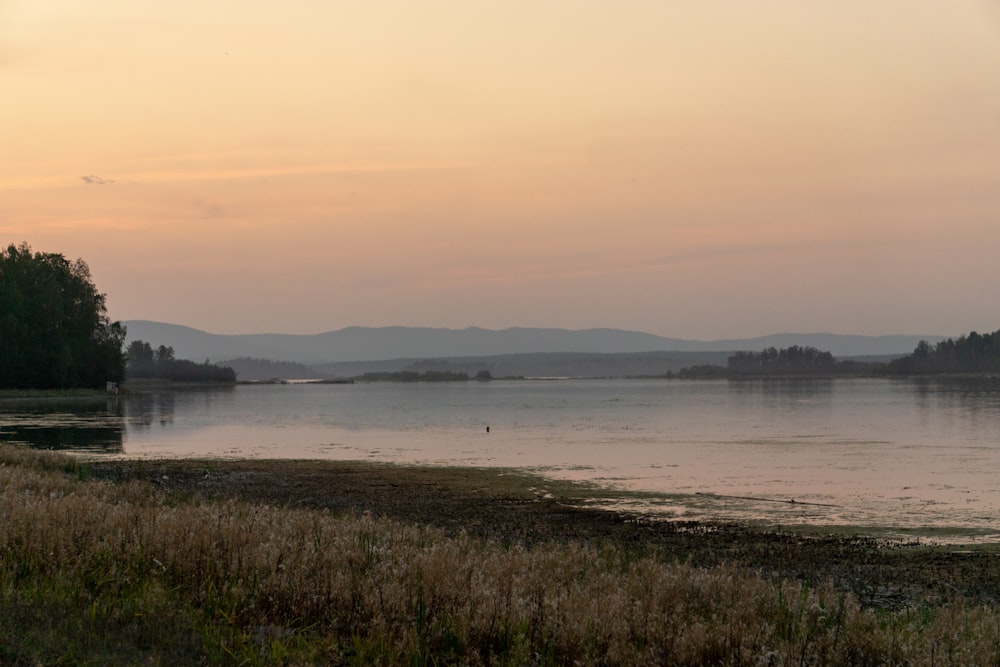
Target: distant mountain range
<point>347,347</point>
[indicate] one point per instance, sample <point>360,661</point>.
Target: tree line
<point>145,362</point>
<point>973,353</point>
<point>54,329</point>
<point>417,376</point>
<point>792,360</point>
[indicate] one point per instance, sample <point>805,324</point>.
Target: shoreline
<point>305,562</point>
<point>757,512</point>
<point>515,507</point>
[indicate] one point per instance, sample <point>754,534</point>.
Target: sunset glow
<point>690,169</point>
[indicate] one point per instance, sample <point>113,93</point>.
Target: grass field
<point>292,562</point>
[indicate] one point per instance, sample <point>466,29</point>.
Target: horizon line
<point>545,328</point>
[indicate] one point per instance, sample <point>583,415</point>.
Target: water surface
<point>916,457</point>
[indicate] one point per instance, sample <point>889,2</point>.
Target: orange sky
<point>696,169</point>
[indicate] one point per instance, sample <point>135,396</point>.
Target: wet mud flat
<point>515,507</point>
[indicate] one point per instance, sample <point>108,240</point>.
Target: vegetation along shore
<point>307,562</point>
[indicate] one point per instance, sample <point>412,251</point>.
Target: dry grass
<point>93,572</point>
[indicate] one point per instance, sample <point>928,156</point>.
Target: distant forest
<point>971,354</point>
<point>974,353</point>
<point>790,360</point>
<point>145,362</point>
<point>250,368</point>
<point>428,376</point>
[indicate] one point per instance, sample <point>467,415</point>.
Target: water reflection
<point>911,454</point>
<point>782,385</point>
<point>778,397</point>
<point>172,414</point>
<point>143,411</point>
<point>85,424</point>
<point>101,424</point>
<point>975,393</point>
<point>974,402</point>
<point>782,388</point>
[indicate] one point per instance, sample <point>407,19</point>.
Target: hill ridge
<point>359,343</point>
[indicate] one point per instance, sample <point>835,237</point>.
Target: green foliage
<point>54,328</point>
<point>144,362</point>
<point>975,353</point>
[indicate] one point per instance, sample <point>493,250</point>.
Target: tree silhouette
<point>54,328</point>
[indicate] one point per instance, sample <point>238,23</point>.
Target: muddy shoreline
<point>514,507</point>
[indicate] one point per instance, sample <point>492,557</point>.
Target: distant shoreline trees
<point>792,360</point>
<point>145,362</point>
<point>250,369</point>
<point>966,355</point>
<point>54,328</point>
<point>415,376</point>
<point>974,353</point>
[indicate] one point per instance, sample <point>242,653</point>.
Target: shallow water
<point>912,457</point>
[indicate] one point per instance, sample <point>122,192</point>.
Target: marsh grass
<point>93,572</point>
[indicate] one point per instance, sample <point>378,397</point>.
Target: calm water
<point>912,456</point>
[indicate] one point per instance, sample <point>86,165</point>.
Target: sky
<point>711,169</point>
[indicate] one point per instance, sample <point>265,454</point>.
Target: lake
<point>908,457</point>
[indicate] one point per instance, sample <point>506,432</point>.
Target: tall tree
<point>54,328</point>
<point>139,353</point>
